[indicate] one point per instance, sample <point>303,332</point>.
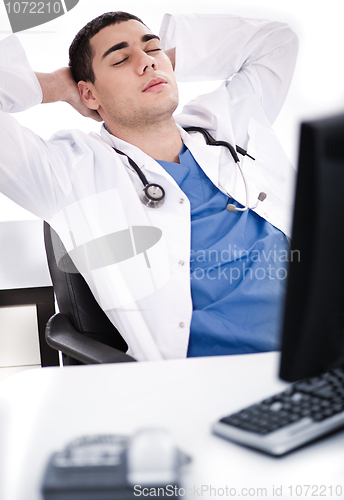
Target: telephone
<point>111,467</point>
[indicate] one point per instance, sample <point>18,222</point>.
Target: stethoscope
<point>153,195</point>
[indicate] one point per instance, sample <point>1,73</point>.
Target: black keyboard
<point>307,410</point>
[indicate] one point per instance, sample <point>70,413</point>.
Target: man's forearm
<point>60,86</point>
<point>54,88</point>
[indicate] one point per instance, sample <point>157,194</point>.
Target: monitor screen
<point>313,324</point>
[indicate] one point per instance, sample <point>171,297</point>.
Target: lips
<point>155,84</point>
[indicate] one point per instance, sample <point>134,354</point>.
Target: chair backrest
<point>74,297</point>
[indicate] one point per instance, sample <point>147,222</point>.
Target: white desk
<point>42,410</point>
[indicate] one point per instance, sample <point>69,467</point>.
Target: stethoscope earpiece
<point>232,208</point>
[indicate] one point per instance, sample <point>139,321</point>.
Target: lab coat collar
<point>207,157</point>
<point>142,160</point>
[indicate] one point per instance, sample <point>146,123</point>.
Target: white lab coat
<point>86,191</point>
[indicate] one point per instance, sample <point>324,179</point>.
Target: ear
<point>88,95</point>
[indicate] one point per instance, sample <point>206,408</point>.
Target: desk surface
<point>43,409</point>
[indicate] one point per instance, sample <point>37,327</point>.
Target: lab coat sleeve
<point>34,173</point>
<point>259,54</point>
<point>19,87</point>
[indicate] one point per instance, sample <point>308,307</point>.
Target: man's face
<point>134,80</point>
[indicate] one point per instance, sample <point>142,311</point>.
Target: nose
<point>145,62</point>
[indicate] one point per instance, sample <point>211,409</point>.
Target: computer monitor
<point>313,324</point>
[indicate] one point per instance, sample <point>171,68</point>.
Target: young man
<point>138,259</point>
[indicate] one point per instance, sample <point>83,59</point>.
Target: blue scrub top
<point>238,269</point>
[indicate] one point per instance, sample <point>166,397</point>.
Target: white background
<point>317,88</point>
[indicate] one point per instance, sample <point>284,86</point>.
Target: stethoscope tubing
<point>135,167</point>
<point>153,195</point>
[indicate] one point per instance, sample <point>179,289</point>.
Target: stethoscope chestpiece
<point>152,195</point>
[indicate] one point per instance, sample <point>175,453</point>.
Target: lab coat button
<point>181,324</point>
<point>181,200</point>
<point>266,215</point>
<point>181,262</point>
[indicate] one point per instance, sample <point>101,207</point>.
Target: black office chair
<point>81,330</point>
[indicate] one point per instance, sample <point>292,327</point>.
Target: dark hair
<point>80,51</point>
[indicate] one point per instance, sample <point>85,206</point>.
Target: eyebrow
<point>123,45</point>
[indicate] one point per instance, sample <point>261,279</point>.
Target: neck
<point>161,142</point>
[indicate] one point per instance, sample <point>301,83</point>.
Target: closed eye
<point>153,50</point>
<point>120,62</point>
